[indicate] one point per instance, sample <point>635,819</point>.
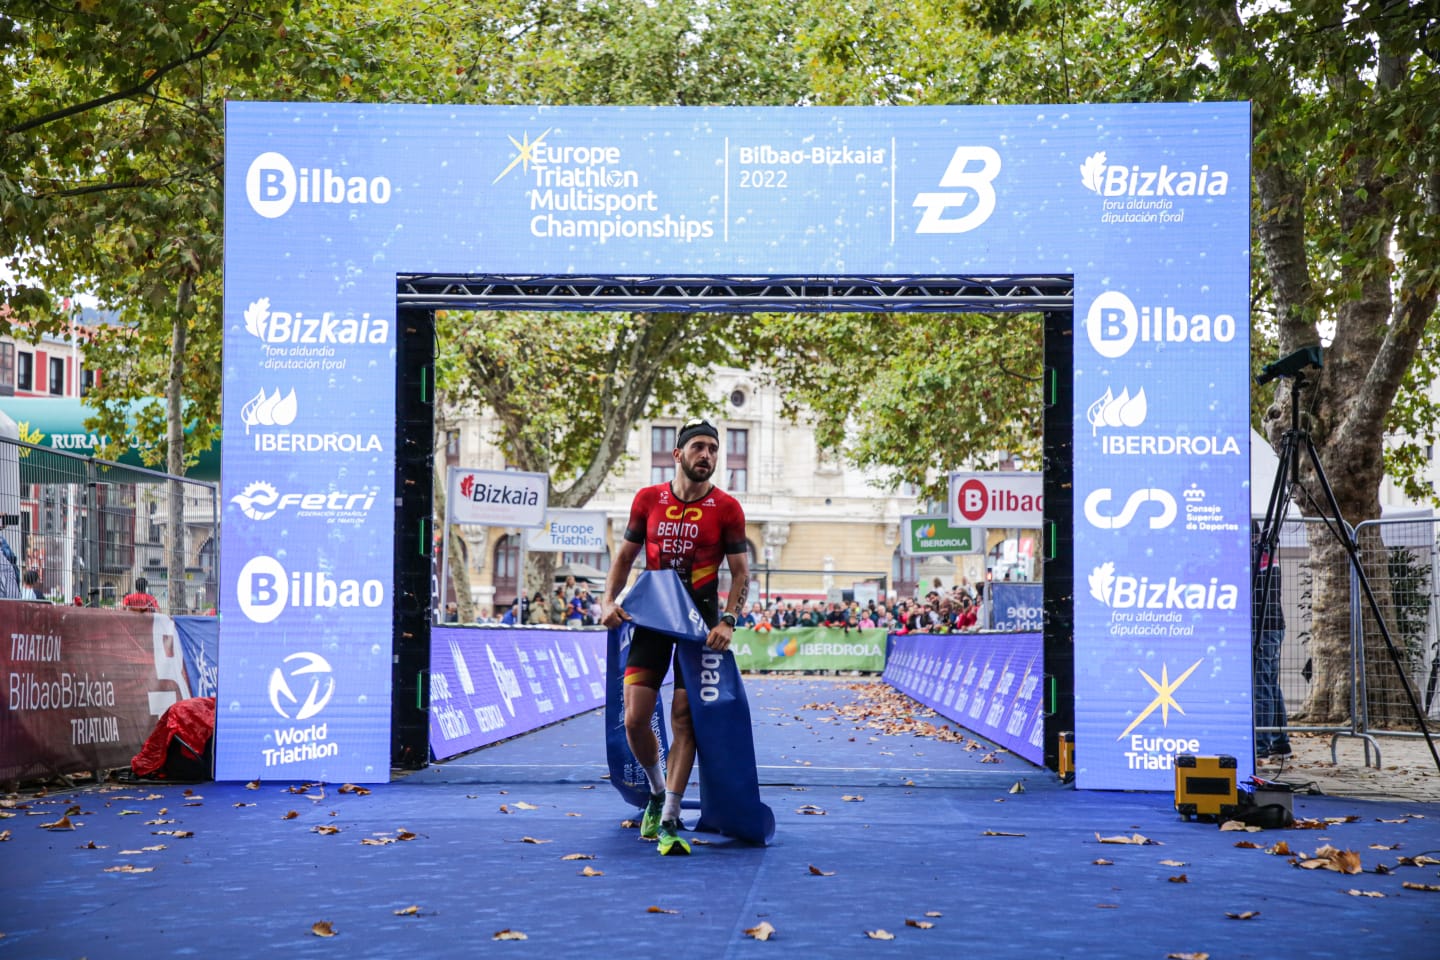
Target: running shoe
<point>671,843</point>
<point>650,822</point>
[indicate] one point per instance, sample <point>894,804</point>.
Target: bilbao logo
<point>1121,411</point>
<point>265,590</point>
<point>278,327</point>
<point>1114,324</point>
<point>1117,180</point>
<point>309,667</point>
<point>506,682</point>
<point>273,186</point>
<point>969,178</point>
<point>1160,502</point>
<point>269,410</point>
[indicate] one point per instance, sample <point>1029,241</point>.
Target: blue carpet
<point>251,882</point>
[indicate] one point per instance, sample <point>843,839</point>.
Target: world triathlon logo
<point>273,186</point>
<point>311,668</point>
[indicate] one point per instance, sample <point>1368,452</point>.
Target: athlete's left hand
<point>719,638</point>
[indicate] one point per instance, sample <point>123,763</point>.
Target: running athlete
<point>687,525</point>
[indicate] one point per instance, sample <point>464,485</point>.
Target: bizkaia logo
<point>273,410</point>
<point>497,493</point>
<point>969,177</point>
<point>1160,503</point>
<point>1114,324</point>
<point>273,186</point>
<point>280,328</point>
<point>1139,593</point>
<point>265,589</point>
<point>1118,180</point>
<point>261,501</point>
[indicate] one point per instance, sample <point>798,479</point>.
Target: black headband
<point>695,428</point>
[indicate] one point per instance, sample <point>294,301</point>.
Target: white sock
<point>656,775</point>
<point>672,807</point>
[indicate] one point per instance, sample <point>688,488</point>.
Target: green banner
<point>926,536</point>
<point>810,648</point>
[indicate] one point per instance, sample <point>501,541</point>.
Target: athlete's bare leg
<point>639,708</point>
<point>682,744</point>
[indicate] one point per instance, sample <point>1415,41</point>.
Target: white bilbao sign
<point>996,499</point>
<point>569,531</point>
<point>498,498</point>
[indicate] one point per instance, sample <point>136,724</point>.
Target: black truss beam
<point>1007,294</point>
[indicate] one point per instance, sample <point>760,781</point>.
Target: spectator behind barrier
<point>140,601</point>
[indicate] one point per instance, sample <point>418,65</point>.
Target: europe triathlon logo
<point>968,184</point>
<point>1158,753</point>
<point>273,186</point>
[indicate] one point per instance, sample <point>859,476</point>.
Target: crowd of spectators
<point>940,610</point>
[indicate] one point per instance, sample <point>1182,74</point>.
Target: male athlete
<point>687,525</point>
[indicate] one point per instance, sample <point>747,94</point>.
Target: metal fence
<point>1399,559</point>
<point>80,530</point>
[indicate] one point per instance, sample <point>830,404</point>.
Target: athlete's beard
<point>697,472</point>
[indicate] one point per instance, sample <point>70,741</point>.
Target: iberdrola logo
<point>787,647</point>
<point>926,532</point>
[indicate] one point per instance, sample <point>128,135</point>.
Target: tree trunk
<point>176,601</point>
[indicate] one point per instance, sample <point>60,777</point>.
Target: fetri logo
<point>273,186</point>
<point>261,501</point>
<point>969,177</point>
<point>1114,324</point>
<point>1114,180</point>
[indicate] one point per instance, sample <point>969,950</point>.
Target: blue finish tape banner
<point>1017,607</point>
<point>626,774</point>
<point>491,683</point>
<point>200,645</point>
<point>988,683</point>
<point>720,713</point>
<point>1146,206</point>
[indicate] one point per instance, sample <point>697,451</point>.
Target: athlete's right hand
<point>612,614</point>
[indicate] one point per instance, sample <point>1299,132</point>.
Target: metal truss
<point>1009,294</point>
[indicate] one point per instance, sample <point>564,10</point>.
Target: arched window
<point>507,570</point>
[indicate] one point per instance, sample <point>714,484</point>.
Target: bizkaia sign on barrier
<point>325,203</point>
<point>502,498</point>
<point>994,500</point>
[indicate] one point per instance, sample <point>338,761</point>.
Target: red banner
<point>82,687</point>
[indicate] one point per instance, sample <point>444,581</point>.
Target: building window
<point>904,574</point>
<point>452,448</point>
<point>57,376</point>
<point>507,568</point>
<point>662,449</point>
<point>7,369</point>
<point>737,460</point>
<point>24,371</point>
<point>87,381</point>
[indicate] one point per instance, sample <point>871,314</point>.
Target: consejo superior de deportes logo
<point>273,186</point>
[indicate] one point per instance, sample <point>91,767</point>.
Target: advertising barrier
<point>83,686</point>
<point>1017,607</point>
<point>491,683</point>
<point>810,648</point>
<point>989,683</point>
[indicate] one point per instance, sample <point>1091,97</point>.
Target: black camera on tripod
<point>1292,365</point>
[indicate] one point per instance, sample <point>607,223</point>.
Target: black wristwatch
<point>728,619</point>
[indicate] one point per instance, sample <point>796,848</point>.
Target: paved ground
<point>1406,769</point>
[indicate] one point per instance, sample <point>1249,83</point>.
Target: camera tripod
<point>1294,444</point>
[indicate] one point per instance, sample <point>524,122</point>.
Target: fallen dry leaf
<point>533,840</point>
<point>811,810</point>
<point>322,928</point>
<point>352,788</point>
<point>762,932</point>
<point>1174,863</point>
<point>1103,863</point>
<point>1420,860</point>
<point>403,834</point>
<point>853,798</point>
<point>290,815</point>
<point>409,911</point>
<point>253,785</point>
<point>1000,833</point>
<point>504,808</point>
<point>1187,956</point>
<point>1281,849</point>
<point>817,872</point>
<point>629,824</point>
<point>578,856</point>
<point>1179,878</point>
<point>879,934</point>
<point>592,872</point>
<point>1384,846</point>
<point>1247,845</point>
<point>157,823</point>
<point>1018,788</point>
<point>522,805</point>
<point>1364,893</point>
<point>1136,839</point>
<point>1427,887</point>
<point>1247,915</point>
<point>660,910</point>
<point>173,833</point>
<point>325,830</point>
<point>1329,858</point>
<point>89,846</point>
<point>918,924</point>
<point>1232,825</point>
<point>508,934</point>
<point>128,868</point>
<point>4,835</point>
<point>244,804</point>
<point>62,824</point>
<point>933,913</point>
